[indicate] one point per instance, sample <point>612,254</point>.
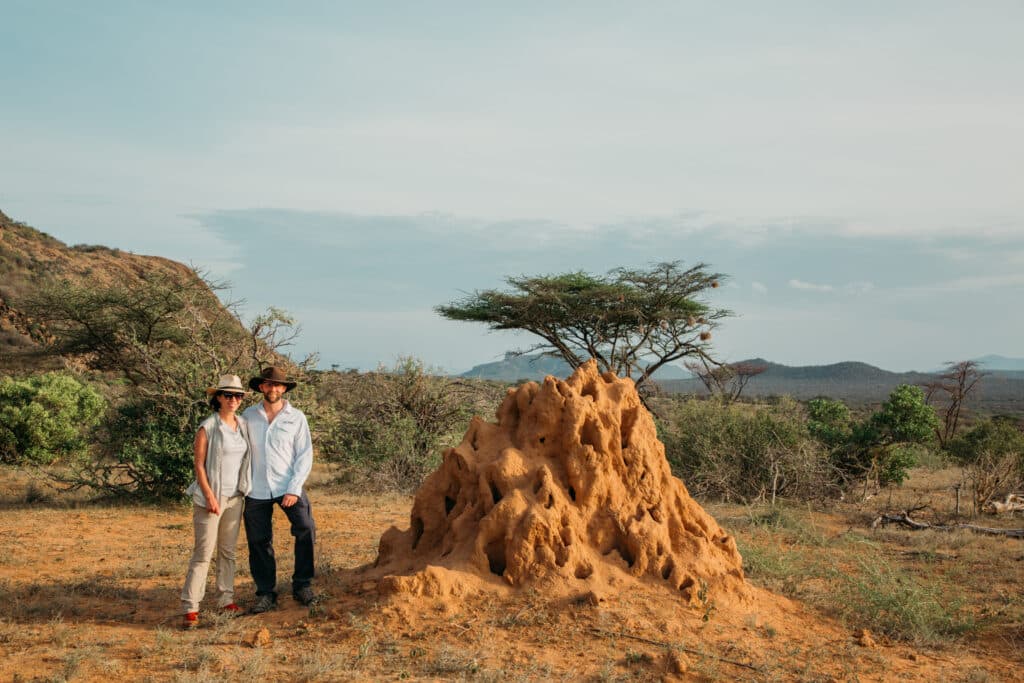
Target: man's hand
<point>288,500</point>
<point>212,506</point>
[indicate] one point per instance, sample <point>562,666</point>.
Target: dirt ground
<point>90,592</point>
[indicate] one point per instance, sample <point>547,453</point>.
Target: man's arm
<point>302,446</point>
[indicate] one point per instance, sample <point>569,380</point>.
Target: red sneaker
<point>231,609</point>
<point>191,620</point>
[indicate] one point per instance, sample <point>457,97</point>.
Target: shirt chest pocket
<point>282,435</point>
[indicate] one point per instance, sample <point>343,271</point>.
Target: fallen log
<point>904,519</point>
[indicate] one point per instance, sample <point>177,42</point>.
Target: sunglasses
<point>227,394</point>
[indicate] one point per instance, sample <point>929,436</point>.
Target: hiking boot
<point>190,620</point>
<point>304,595</point>
<point>264,603</point>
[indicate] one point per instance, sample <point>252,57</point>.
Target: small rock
<point>368,586</point>
<point>678,663</point>
<point>912,656</point>
<point>260,638</point>
<point>864,638</point>
<point>592,598</point>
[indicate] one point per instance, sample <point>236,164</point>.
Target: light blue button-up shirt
<point>282,451</point>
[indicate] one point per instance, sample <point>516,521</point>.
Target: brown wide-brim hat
<point>272,374</point>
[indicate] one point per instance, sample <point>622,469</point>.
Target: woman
<point>223,478</point>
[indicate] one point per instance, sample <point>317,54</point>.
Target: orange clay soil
<point>568,492</point>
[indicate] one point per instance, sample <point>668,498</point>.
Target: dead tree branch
<point>904,519</point>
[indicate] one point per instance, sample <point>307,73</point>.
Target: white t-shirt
<point>231,460</point>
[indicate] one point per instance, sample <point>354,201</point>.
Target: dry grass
<point>86,599</point>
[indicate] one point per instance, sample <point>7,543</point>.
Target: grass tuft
<point>895,603</point>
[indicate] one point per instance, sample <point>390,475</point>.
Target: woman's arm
<point>199,463</point>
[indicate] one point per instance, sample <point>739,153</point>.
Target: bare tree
<point>727,380</point>
<point>949,392</point>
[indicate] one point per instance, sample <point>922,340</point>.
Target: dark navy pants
<point>259,532</point>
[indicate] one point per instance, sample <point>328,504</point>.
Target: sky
<point>855,169</point>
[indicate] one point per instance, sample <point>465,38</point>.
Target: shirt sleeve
<point>303,463</point>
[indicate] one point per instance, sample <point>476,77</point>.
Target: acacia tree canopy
<point>631,322</point>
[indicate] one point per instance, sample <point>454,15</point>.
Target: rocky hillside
<point>30,259</point>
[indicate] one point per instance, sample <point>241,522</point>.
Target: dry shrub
<point>746,452</point>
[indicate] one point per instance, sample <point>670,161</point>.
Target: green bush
<point>744,452</point>
<point>882,448</point>
<point>46,417</point>
<point>996,437</point>
<point>829,421</point>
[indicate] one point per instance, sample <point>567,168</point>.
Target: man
<point>282,457</point>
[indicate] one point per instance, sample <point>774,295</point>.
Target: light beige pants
<point>213,532</point>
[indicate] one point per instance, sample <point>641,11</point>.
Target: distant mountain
<point>859,383</point>
<point>847,370</point>
<point>994,362</point>
<point>536,367</point>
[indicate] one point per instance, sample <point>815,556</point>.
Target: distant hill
<point>30,259</point>
<point>536,367</point>
<point>858,384</point>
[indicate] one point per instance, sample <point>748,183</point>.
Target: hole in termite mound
<point>495,552</point>
<point>417,531</point>
<point>666,570</point>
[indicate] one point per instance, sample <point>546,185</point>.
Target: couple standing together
<point>245,465</point>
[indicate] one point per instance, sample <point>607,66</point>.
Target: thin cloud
<point>810,286</point>
<point>758,288</point>
<point>859,287</point>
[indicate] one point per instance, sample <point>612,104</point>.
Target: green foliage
<point>828,421</point>
<point>631,322</point>
<point>882,448</point>
<point>46,417</point>
<point>995,437</point>
<point>742,452</point>
<point>905,417</point>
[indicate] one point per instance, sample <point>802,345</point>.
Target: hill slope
<point>31,259</point>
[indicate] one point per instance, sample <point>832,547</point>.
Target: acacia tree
<point>632,322</point>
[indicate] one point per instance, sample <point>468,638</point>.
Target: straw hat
<point>227,383</point>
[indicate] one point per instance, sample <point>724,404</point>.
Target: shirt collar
<point>287,407</point>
